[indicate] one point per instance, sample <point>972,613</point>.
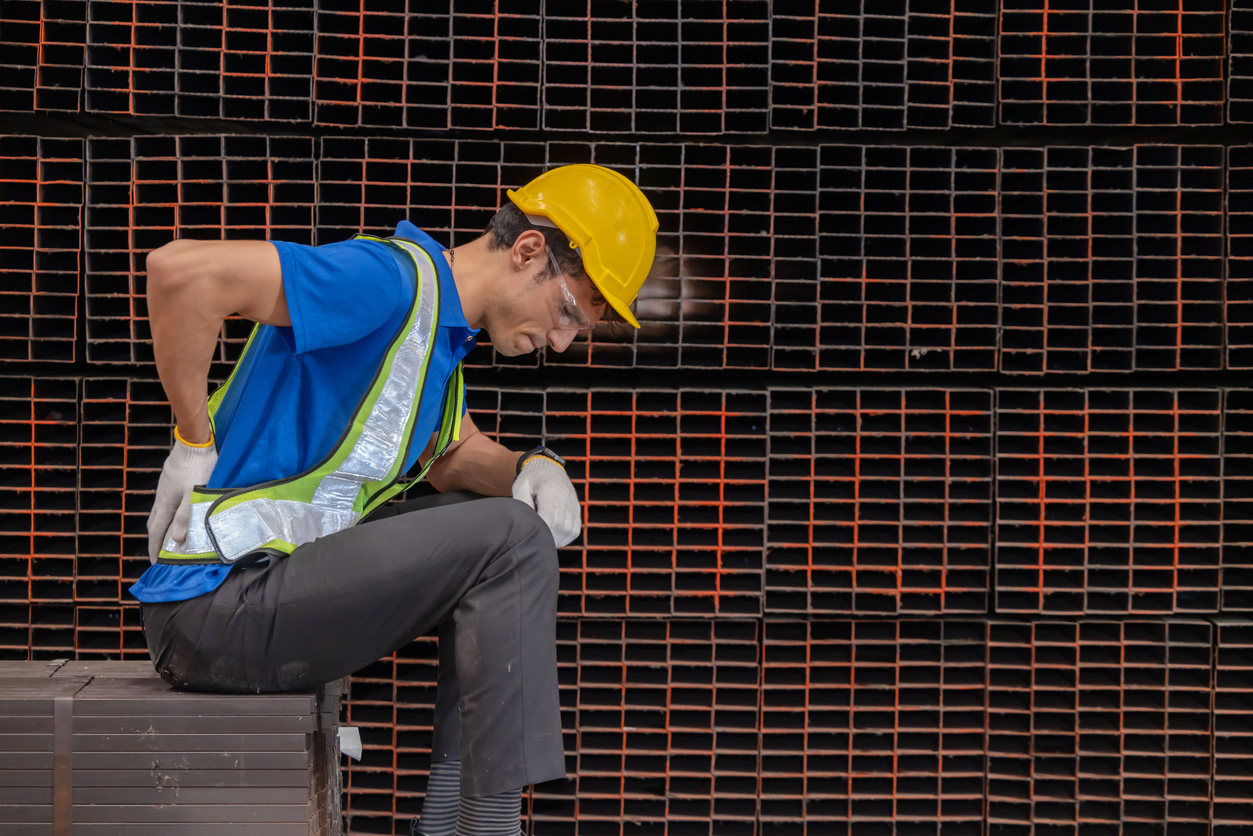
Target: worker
<point>277,562</point>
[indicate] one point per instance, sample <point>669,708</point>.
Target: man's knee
<point>521,521</point>
<point>530,535</point>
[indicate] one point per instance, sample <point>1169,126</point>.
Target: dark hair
<point>509,222</point>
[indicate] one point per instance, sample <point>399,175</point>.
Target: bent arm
<point>473,463</point>
<point>193,286</point>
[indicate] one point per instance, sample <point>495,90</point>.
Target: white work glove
<point>544,485</point>
<point>185,468</point>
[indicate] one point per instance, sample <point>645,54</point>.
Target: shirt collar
<point>450,313</point>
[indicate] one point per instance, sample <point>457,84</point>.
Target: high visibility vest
<point>366,466</point>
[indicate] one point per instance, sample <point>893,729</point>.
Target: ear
<point>528,246</point>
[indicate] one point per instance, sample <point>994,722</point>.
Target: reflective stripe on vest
<point>363,471</point>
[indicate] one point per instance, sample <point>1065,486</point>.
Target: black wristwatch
<point>538,451</point>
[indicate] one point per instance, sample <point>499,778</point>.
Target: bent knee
<point>531,536</point>
<point>522,521</point>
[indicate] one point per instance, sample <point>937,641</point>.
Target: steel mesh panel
<point>1108,501</point>
<point>873,726</point>
<point>1085,63</point>
<point>1233,741</point>
<point>1111,259</point>
<point>381,65</point>
<point>674,490</point>
<point>1237,482</point>
<point>674,66</point>
<point>880,501</point>
<point>495,64</point>
<point>886,65</point>
<point>660,720</point>
<point>37,630</point>
<point>40,239</point>
<point>131,56</point>
<point>19,29</point>
<point>246,60</point>
<point>38,496</point>
<point>147,191</point>
<point>250,60</point>
<point>448,188</point>
<point>1239,261</point>
<point>1240,65</point>
<point>109,633</point>
<point>462,64</point>
<point>909,252</point>
<point>127,432</point>
<point>42,62</point>
<point>1098,727</point>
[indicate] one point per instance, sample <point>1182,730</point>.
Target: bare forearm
<point>478,464</point>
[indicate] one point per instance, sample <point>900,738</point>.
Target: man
<point>277,565</point>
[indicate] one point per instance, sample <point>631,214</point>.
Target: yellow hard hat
<point>606,217</point>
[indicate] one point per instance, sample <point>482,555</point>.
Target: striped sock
<point>443,792</point>
<point>495,815</point>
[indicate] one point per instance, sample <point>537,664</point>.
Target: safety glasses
<point>570,317</point>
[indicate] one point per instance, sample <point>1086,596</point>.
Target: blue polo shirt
<point>295,391</point>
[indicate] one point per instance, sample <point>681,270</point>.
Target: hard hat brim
<point>623,309</point>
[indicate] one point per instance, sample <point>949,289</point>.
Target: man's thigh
<point>339,603</point>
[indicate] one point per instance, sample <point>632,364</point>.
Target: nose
<point>559,340</point>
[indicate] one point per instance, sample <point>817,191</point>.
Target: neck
<point>471,272</point>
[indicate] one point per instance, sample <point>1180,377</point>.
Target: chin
<point>515,349</point>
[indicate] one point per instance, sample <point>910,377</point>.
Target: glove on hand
<point>544,485</point>
<point>185,468</point>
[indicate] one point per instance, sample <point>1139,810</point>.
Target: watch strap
<point>539,452</point>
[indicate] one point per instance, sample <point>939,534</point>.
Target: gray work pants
<point>485,570</point>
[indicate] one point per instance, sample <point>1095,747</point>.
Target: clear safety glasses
<point>570,317</point>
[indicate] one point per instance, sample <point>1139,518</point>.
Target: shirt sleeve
<point>337,293</point>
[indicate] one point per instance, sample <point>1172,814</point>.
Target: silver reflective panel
<point>246,527</point>
<point>387,424</point>
<point>197,538</point>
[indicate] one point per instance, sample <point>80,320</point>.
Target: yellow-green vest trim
<point>363,470</point>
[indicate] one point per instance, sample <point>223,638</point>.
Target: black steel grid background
<point>1108,501</point>
<point>883,65</point>
<point>1111,259</point>
<point>880,501</point>
<point>1233,744</point>
<point>1099,726</point>
<point>873,726</point>
<point>40,254</point>
<point>909,261</point>
<point>237,60</point>
<point>1031,216</point>
<point>1126,63</point>
<point>42,62</point>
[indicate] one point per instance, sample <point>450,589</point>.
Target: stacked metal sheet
<point>108,748</point>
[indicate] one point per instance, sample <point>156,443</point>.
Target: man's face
<point>533,317</point>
